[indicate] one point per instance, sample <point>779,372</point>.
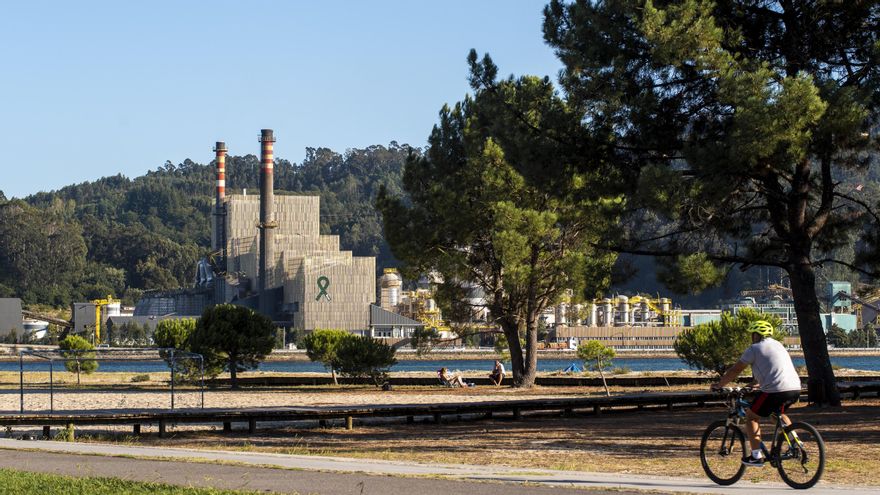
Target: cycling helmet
<point>761,327</point>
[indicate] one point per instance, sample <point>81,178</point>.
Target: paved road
<point>344,476</point>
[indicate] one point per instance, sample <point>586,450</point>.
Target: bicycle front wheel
<point>801,455</point>
<point>721,451</point>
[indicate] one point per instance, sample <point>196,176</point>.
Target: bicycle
<point>797,451</point>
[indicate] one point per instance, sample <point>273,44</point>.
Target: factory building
<point>269,255</point>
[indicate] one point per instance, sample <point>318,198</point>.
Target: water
<point>868,363</point>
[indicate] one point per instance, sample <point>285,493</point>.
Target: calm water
<point>870,363</point>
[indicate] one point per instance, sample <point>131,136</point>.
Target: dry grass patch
<point>647,442</point>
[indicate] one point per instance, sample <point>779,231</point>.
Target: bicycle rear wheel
<point>721,451</point>
<point>801,452</point>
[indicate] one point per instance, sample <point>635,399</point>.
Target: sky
<point>92,89</point>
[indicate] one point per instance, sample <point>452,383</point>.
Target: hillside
<point>124,236</point>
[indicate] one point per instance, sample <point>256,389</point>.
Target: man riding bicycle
<point>774,373</point>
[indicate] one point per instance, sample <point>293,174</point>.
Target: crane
<point>99,304</point>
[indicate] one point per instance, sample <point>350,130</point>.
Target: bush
<point>83,362</point>
<point>717,345</point>
<point>365,357</point>
<point>140,378</point>
<point>321,346</point>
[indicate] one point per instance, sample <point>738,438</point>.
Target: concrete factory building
<point>269,255</point>
<point>322,287</point>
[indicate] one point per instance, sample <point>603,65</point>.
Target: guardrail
<point>251,416</point>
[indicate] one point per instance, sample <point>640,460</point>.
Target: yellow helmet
<point>761,327</point>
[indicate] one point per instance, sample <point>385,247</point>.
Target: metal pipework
<point>219,238</point>
<point>267,207</point>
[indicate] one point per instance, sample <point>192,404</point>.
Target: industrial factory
<point>269,254</point>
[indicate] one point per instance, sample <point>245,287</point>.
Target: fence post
<point>202,378</point>
<point>21,379</point>
<point>173,366</point>
<point>51,386</point>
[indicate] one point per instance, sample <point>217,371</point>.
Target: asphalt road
<point>344,476</point>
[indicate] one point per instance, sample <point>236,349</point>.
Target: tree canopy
<point>475,217</point>
<point>232,337</point>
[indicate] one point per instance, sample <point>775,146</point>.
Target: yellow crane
<point>99,305</point>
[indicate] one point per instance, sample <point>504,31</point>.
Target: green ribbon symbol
<point>323,283</point>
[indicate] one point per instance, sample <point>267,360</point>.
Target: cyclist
<point>774,373</point>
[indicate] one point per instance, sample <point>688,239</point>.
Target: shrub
<point>717,345</point>
<point>321,346</point>
<point>365,357</point>
<point>82,362</point>
<point>140,378</point>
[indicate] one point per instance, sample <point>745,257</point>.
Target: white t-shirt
<point>772,366</point>
<point>500,369</point>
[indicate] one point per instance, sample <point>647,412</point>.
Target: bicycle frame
<point>736,417</point>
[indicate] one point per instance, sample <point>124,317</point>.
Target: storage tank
<point>561,314</point>
<point>608,310</point>
<point>623,309</point>
<point>114,309</point>
<point>389,289</point>
<point>592,319</point>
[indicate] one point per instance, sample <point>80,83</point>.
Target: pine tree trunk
<point>333,374</point>
<point>822,384</point>
<point>232,374</point>
<point>517,364</point>
<point>530,369</point>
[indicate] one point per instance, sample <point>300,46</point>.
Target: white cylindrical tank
<point>390,284</point>
<point>623,309</point>
<point>592,318</point>
<point>561,316</point>
<point>114,309</point>
<point>644,311</point>
<point>608,310</point>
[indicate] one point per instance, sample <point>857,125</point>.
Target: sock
<point>757,454</point>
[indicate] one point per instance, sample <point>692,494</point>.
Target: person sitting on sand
<point>450,379</point>
<point>497,374</point>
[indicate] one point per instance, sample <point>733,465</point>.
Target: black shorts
<point>765,404</point>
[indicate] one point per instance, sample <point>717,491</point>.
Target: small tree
<point>82,362</point>
<point>838,337</point>
<point>716,345</point>
<point>232,337</point>
<point>597,356</point>
<point>321,346</point>
<point>365,357</point>
<point>175,334</point>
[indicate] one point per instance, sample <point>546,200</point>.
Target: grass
<point>26,483</point>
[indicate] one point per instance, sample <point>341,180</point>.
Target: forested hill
<point>122,236</point>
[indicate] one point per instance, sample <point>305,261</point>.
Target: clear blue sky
<point>92,89</point>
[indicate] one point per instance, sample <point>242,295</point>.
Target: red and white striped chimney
<point>267,207</point>
<point>219,237</point>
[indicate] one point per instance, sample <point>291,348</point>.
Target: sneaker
<point>752,462</point>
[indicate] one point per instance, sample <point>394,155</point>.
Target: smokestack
<point>267,207</point>
<point>219,238</point>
